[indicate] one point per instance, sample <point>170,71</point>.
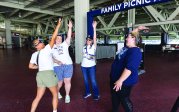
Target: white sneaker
<point>67,99</point>
<point>87,95</point>
<point>59,96</point>
<point>54,110</point>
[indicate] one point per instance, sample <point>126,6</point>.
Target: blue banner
<point>117,8</point>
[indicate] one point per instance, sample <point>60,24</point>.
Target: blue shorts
<point>64,71</point>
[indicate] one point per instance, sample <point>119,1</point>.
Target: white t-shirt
<point>89,56</point>
<point>45,61</point>
<point>61,53</point>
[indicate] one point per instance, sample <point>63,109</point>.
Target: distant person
<point>63,65</point>
<point>88,65</point>
<point>46,78</point>
<point>28,43</point>
<point>124,72</point>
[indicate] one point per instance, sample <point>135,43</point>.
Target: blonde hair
<point>136,35</point>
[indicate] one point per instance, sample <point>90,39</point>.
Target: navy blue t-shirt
<point>129,58</point>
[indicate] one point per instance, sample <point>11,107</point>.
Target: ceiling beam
<point>29,3</point>
<point>97,2</point>
<point>71,4</point>
<point>27,14</point>
<point>110,28</point>
<point>143,24</point>
<point>114,19</point>
<point>159,23</point>
<point>51,26</point>
<point>22,7</point>
<point>47,25</point>
<point>50,3</point>
<point>24,21</point>
<point>102,32</point>
<point>68,12</point>
<point>174,14</point>
<point>39,16</point>
<point>156,15</point>
<point>102,21</point>
<point>111,22</point>
<point>12,13</point>
<point>46,18</point>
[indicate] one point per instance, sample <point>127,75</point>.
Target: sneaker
<point>59,96</point>
<point>96,97</point>
<point>54,110</point>
<point>67,99</point>
<point>87,95</point>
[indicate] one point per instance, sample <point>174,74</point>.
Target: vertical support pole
<point>8,33</point>
<point>81,8</point>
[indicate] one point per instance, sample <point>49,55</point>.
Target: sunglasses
<point>36,44</point>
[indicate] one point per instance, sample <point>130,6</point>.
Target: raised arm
<point>94,33</point>
<point>139,28</point>
<point>52,41</point>
<point>136,31</point>
<point>68,39</point>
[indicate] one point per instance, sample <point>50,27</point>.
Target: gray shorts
<point>46,78</point>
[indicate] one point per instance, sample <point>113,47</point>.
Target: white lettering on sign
<point>124,5</point>
<point>111,8</point>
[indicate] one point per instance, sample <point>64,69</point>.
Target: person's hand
<point>118,85</point>
<point>94,24</point>
<point>59,21</point>
<point>143,28</point>
<point>70,25</point>
<point>59,63</point>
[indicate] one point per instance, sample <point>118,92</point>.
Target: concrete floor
<point>156,91</point>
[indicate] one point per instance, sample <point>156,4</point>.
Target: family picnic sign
<point>117,8</point>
